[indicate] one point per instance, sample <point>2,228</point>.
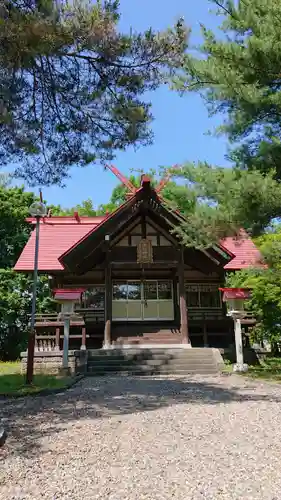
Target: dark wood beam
<point>175,300</point>
<point>108,301</point>
<point>199,261</point>
<point>143,227</point>
<point>134,265</point>
<point>85,250</point>
<point>182,296</point>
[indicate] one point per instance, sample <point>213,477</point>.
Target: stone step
<point>140,355</point>
<point>131,351</point>
<point>153,361</point>
<point>151,335</point>
<point>147,367</point>
<point>150,341</point>
<point>148,334</point>
<point>148,372</point>
<point>158,368</point>
<point>149,349</point>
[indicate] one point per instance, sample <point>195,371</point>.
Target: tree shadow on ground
<point>29,419</point>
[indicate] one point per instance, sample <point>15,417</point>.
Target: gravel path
<point>134,438</point>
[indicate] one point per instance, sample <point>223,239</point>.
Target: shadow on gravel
<point>29,419</point>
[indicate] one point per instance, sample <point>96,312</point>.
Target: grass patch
<point>228,368</point>
<point>12,382</point>
<point>269,369</point>
<point>9,367</point>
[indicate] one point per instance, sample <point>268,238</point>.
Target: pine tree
<point>217,202</point>
<point>238,71</point>
<point>72,86</point>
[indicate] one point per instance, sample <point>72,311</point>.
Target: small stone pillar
<point>239,366</point>
<point>66,329</point>
<point>83,342</point>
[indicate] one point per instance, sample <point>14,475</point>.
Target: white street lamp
<point>37,210</point>
<point>235,299</point>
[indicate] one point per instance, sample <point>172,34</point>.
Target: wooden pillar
<point>108,302</point>
<point>176,302</point>
<point>183,304</point>
<point>83,339</point>
<point>205,333</point>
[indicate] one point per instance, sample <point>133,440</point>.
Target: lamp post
<point>235,299</point>
<point>37,210</point>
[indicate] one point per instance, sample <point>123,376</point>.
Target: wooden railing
<point>49,331</point>
<point>56,319</point>
<point>204,315</point>
<point>91,315</point>
<point>249,319</point>
<point>49,328</point>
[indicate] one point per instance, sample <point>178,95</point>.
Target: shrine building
<point>131,280</point>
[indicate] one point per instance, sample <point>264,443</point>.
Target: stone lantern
<point>68,298</point>
<point>235,299</point>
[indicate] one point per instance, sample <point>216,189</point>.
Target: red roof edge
<point>68,293</point>
<point>229,252</point>
<point>235,293</point>
<point>61,219</point>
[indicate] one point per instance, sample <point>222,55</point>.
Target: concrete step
<point>160,356</point>
<point>149,362</point>
<point>146,340</point>
<point>135,351</point>
<point>152,341</point>
<point>140,370</point>
<point>147,366</point>
<point>151,336</point>
<point>153,361</point>
<point>122,351</point>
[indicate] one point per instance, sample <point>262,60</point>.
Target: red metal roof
<point>235,293</point>
<point>68,293</point>
<point>59,234</point>
<point>55,238</point>
<point>68,220</point>
<point>245,251</point>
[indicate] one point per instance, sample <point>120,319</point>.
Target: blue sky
<point>180,122</point>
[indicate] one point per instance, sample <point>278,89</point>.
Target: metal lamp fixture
<point>38,209</point>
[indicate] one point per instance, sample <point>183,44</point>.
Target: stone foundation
<point>50,362</point>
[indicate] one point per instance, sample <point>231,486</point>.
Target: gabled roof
<point>61,236</point>
<point>57,237</point>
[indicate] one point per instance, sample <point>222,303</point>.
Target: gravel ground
<point>136,438</point>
